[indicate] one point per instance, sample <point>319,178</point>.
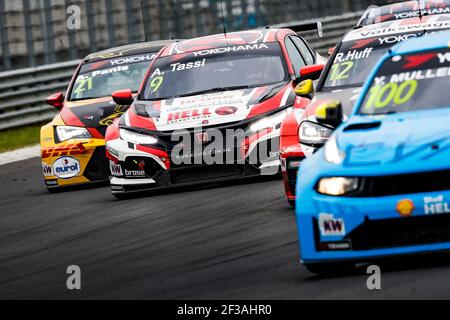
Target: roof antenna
<point>143,21</point>
<point>223,20</point>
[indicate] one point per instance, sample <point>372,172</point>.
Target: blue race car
<point>380,187</point>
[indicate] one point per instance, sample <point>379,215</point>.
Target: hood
<point>404,141</point>
<point>347,97</point>
<point>215,108</point>
<point>92,113</point>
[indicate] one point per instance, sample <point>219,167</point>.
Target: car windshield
<point>102,78</point>
<point>216,69</point>
<point>410,82</point>
<point>357,56</point>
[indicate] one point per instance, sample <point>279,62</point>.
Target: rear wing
<point>302,26</point>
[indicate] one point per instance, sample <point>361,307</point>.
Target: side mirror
<point>311,72</point>
<point>330,113</point>
<point>56,100</point>
<point>304,89</point>
<point>123,97</point>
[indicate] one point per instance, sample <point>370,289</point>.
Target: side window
<point>306,52</point>
<point>295,56</point>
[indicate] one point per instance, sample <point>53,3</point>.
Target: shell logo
<point>405,207</point>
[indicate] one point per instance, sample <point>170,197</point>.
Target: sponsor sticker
<point>134,173</point>
<point>67,150</point>
<point>231,49</point>
<point>47,170</point>
<point>116,188</point>
<point>331,226</point>
<point>405,207</point>
<point>435,205</point>
<point>51,182</point>
<point>66,167</point>
<point>115,169</point>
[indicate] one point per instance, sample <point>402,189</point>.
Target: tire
<point>292,203</point>
<point>330,269</point>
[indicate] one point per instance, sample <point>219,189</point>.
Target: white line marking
<point>20,154</point>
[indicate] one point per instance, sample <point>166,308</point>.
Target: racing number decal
<point>382,95</point>
<point>340,71</point>
<point>82,85</point>
<point>156,83</point>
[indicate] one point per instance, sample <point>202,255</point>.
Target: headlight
<point>311,133</point>
<point>269,121</point>
<point>66,132</point>
<point>332,152</point>
<point>137,138</point>
<point>337,186</point>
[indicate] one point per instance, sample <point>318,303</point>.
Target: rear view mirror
<point>304,88</point>
<point>123,97</point>
<point>311,72</point>
<point>330,113</point>
<point>56,100</point>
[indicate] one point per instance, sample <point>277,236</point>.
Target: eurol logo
<point>66,167</point>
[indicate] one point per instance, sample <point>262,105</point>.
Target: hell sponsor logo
<point>200,114</point>
<point>331,226</point>
<point>435,205</point>
<point>66,167</point>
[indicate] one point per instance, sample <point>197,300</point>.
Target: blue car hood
<point>410,141</point>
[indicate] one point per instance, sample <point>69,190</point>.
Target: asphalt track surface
<point>226,242</point>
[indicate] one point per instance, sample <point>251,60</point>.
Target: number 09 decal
<point>381,96</point>
<point>156,83</point>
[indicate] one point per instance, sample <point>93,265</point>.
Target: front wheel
<point>292,203</point>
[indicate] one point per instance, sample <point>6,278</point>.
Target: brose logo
<point>66,167</point>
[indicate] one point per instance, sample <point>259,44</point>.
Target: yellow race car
<point>72,144</point>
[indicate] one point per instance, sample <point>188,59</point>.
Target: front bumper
<point>362,229</point>
<point>136,168</point>
<point>74,163</point>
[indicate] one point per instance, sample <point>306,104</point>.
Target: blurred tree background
<point>35,32</point>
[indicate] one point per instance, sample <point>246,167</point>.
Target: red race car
<point>348,67</point>
<point>209,109</point>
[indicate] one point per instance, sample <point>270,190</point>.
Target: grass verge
<point>19,137</point>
